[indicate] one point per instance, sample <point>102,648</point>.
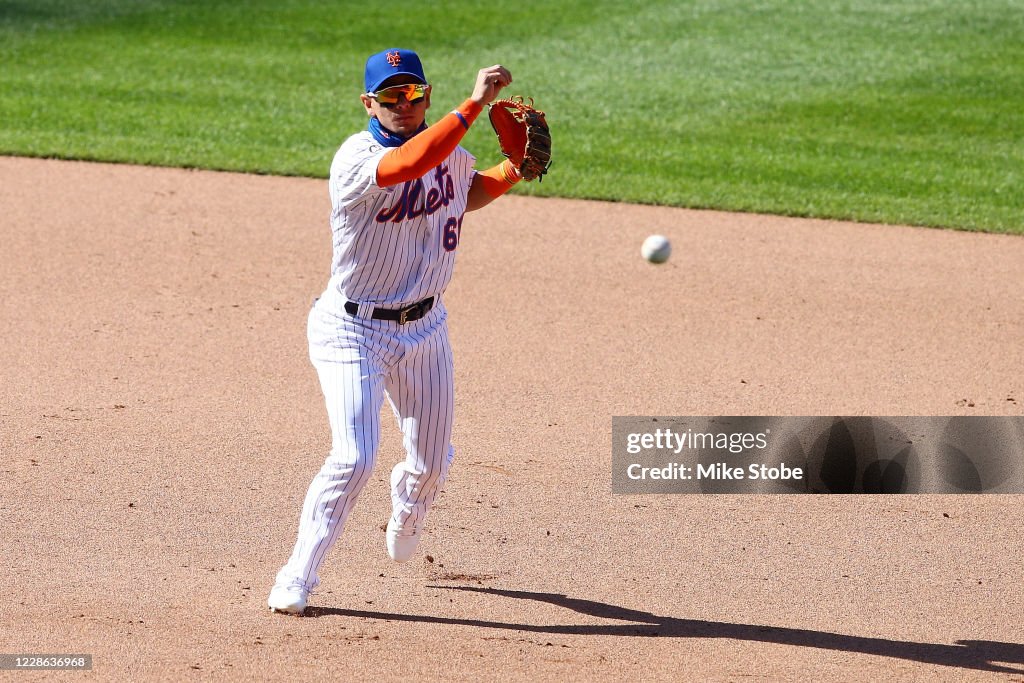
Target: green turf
<point>904,112</point>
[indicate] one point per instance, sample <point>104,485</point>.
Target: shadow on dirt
<point>980,655</point>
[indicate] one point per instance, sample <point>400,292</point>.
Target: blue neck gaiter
<point>386,137</point>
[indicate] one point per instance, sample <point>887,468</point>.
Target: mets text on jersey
<point>412,202</point>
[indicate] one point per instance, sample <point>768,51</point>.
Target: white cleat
<point>289,598</point>
<point>401,544</point>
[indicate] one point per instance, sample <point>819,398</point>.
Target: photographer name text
<point>718,471</point>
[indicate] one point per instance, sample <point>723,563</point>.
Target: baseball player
<point>399,192</point>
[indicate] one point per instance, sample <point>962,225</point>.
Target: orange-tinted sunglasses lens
<point>414,92</point>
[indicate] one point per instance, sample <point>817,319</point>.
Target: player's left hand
<point>523,135</point>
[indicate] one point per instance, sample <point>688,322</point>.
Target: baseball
<point>656,249</point>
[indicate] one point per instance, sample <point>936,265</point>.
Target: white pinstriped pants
<point>359,362</point>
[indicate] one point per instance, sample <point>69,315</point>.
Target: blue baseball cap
<point>392,62</point>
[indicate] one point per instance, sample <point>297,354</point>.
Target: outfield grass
<point>901,112</point>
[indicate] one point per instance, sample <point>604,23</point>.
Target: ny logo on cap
<point>394,58</point>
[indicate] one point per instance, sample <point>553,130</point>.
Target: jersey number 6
<point>452,232</point>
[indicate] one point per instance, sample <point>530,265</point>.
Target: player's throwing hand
<point>489,83</point>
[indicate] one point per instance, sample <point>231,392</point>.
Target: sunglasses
<point>388,97</point>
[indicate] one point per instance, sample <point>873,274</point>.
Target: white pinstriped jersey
<point>393,246</point>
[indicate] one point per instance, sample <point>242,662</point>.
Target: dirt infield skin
<point>160,421</point>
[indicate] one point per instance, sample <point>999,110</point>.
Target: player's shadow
<point>981,655</point>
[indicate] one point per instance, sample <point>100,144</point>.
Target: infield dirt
<point>160,421</point>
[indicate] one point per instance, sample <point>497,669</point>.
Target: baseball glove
<point>523,135</point>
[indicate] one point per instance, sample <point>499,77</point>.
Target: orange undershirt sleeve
<point>427,149</point>
<point>497,180</point>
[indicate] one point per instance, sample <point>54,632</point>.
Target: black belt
<point>402,315</point>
